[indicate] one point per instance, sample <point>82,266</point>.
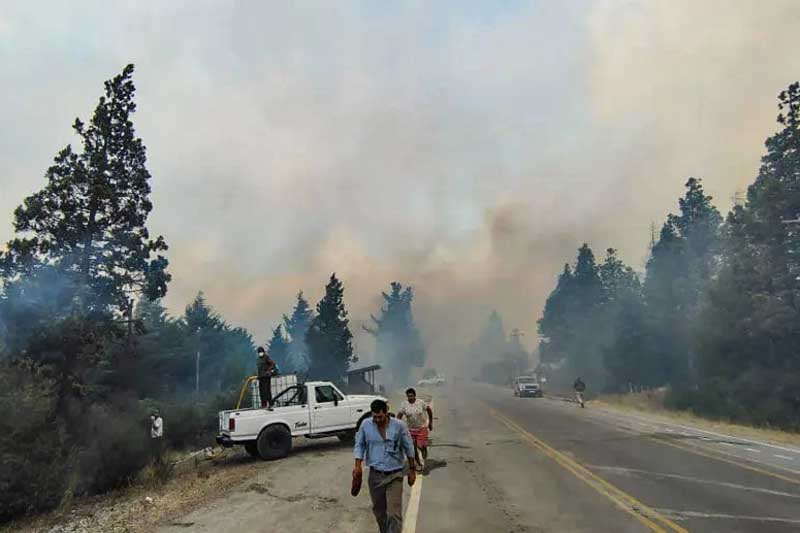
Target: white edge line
<point>733,437</point>
<point>412,512</point>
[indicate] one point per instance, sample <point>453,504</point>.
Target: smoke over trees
<point>398,343</point>
<point>85,344</point>
<point>717,318</point>
<point>494,356</point>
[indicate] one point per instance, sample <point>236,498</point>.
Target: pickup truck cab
<point>313,409</point>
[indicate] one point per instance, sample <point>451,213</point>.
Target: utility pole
<point>197,369</point>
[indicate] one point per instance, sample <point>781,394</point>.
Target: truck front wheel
<point>348,437</point>
<point>274,442</point>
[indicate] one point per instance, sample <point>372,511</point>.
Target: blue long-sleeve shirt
<point>384,454</point>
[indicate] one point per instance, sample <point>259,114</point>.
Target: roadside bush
<point>33,457</point>
<point>115,446</point>
<point>193,424</point>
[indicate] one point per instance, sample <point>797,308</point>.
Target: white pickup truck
<point>313,409</point>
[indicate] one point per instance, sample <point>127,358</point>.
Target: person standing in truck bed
<point>266,369</point>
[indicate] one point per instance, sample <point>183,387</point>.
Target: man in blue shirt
<point>384,443</point>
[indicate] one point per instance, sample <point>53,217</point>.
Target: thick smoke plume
<point>466,151</point>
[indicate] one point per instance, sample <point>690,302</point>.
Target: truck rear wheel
<point>274,442</point>
<point>252,449</point>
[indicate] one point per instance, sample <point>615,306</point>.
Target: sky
<point>464,148</point>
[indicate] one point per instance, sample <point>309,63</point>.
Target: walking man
<point>383,443</point>
<point>419,417</point>
<point>580,388</point>
<point>266,369</point>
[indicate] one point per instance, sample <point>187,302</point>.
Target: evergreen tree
<point>398,342</point>
<point>329,338</point>
<point>200,317</point>
<point>622,314</point>
<point>151,314</point>
<point>278,349</point>
<point>553,326</point>
<point>89,219</point>
<point>296,328</point>
<point>749,326</point>
<point>679,269</point>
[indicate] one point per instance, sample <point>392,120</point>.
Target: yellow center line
<point>644,514</point>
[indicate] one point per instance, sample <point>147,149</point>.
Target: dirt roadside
<point>306,477</point>
<point>140,507</point>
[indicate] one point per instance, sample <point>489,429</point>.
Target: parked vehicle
<point>527,386</point>
<point>435,381</point>
<point>313,410</point>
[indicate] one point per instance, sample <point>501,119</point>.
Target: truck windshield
<point>526,380</point>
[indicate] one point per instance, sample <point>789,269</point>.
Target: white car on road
<point>314,409</point>
<point>436,381</point>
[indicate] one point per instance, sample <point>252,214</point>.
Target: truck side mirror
<point>336,401</point>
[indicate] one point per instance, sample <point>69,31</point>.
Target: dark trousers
<point>386,493</point>
<point>265,390</point>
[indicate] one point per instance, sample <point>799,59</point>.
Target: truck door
<point>330,411</point>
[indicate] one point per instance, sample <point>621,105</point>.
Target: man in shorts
<point>419,417</point>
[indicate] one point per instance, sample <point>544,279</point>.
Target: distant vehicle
<point>435,381</point>
<point>527,386</point>
<point>313,409</point>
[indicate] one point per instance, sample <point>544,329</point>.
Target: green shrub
<point>34,460</point>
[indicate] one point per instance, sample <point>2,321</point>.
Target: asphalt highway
<point>500,463</point>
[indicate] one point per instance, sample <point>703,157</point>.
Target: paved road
<point>501,463</point>
<point>546,465</point>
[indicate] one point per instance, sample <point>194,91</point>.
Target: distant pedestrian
<point>156,425</point>
<point>266,369</point>
<point>156,435</point>
<point>381,443</point>
<point>580,388</point>
<point>419,417</point>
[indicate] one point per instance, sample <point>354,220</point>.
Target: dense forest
<point>87,350</point>
<point>715,317</point>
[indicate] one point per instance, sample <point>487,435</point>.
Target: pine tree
<point>679,269</point>
<point>553,326</point>
<point>329,338</point>
<point>199,316</point>
<point>749,324</point>
<point>296,328</point>
<point>622,315</point>
<point>398,342</point>
<point>89,219</point>
<point>278,349</point>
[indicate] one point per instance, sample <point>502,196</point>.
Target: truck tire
<point>252,449</point>
<point>348,437</point>
<point>274,442</point>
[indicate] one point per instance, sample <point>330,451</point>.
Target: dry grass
<point>652,404</point>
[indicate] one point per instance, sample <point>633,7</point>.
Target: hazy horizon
<point>462,148</point>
